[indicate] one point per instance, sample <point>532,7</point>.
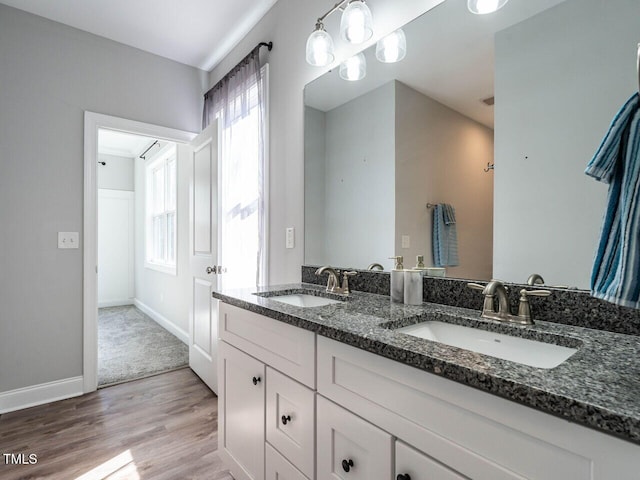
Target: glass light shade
<point>319,48</point>
<point>354,68</point>
<point>481,7</point>
<point>392,48</point>
<point>356,25</point>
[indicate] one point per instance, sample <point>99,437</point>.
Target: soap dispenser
<point>420,263</point>
<point>397,280</point>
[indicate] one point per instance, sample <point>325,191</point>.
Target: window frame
<point>161,160</point>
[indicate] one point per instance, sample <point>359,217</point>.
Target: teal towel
<point>616,270</point>
<point>445,236</point>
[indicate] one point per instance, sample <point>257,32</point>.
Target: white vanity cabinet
<point>266,404</point>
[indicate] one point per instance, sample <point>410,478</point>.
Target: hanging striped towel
<point>445,236</point>
<point>616,270</point>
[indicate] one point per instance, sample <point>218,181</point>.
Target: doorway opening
<point>118,253</point>
<point>142,314</point>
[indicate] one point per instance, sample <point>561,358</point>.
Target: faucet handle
<point>475,286</point>
<point>350,274</point>
<point>534,293</point>
<point>524,309</point>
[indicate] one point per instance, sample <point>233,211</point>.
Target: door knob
<point>211,270</point>
<point>256,380</point>
<point>347,464</point>
<point>285,419</point>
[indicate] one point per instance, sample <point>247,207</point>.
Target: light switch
<point>290,238</point>
<point>406,241</point>
<point>68,240</point>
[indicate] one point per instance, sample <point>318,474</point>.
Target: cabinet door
<point>350,448</point>
<point>277,467</point>
<point>414,465</point>
<point>241,413</point>
<point>290,420</point>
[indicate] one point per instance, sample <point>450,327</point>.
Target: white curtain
<point>239,102</point>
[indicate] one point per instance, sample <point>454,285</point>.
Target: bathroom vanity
<point>337,392</point>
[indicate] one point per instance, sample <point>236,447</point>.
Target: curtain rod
<point>142,155</point>
<point>231,72</point>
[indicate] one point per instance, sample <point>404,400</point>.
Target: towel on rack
<point>616,270</point>
<point>445,236</point>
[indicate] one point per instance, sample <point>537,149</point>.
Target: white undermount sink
<point>515,349</point>
<point>304,300</point>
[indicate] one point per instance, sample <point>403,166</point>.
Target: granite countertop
<point>598,387</point>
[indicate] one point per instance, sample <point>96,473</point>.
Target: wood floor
<point>162,427</point>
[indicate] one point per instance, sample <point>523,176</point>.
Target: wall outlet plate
<point>290,237</point>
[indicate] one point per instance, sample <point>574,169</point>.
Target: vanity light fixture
<point>392,48</point>
<point>356,26</point>
<point>354,68</point>
<point>482,7</point>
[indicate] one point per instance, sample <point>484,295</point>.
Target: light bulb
<point>482,7</point>
<point>354,68</point>
<point>392,48</point>
<point>356,25</point>
<point>319,51</point>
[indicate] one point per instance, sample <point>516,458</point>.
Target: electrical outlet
<point>68,240</point>
<point>406,241</point>
<point>290,238</point>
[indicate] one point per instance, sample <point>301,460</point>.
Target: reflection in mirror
<point>417,132</point>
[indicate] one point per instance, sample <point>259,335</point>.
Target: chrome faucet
<point>535,279</point>
<point>495,289</point>
<point>375,266</point>
<point>333,281</point>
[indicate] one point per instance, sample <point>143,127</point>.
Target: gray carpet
<point>131,345</point>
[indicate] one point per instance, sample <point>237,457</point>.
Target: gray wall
<point>360,179</point>
<point>288,24</point>
<point>314,181</point>
<point>166,294</point>
<point>560,78</point>
<point>440,156</point>
<point>117,174</point>
<point>50,74</point>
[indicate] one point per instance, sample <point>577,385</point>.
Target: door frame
<point>92,123</point>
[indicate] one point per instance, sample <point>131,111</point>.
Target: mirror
<point>378,150</point>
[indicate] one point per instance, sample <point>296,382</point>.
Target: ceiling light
<point>481,7</point>
<point>354,68</point>
<point>392,48</point>
<point>319,47</point>
<point>356,25</point>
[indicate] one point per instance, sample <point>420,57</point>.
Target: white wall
<point>116,247</point>
<point>117,174</point>
<point>360,180</point>
<point>50,74</point>
<point>561,77</point>
<point>440,158</point>
<point>288,24</point>
<point>163,296</point>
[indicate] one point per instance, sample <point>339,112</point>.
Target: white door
<point>203,255</point>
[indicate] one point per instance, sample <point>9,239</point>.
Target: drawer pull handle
<point>286,419</point>
<point>405,476</point>
<point>256,380</point>
<point>347,464</point>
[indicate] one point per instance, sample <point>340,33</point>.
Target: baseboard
<point>116,303</point>
<point>163,321</point>
<point>40,394</point>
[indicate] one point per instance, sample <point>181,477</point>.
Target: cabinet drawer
<point>290,420</point>
<point>285,347</point>
<point>277,467</point>
<point>414,465</point>
<point>350,448</point>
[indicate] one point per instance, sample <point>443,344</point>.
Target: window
<point>160,209</point>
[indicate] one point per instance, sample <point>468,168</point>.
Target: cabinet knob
<point>256,380</point>
<point>286,419</point>
<point>404,476</point>
<point>347,464</point>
